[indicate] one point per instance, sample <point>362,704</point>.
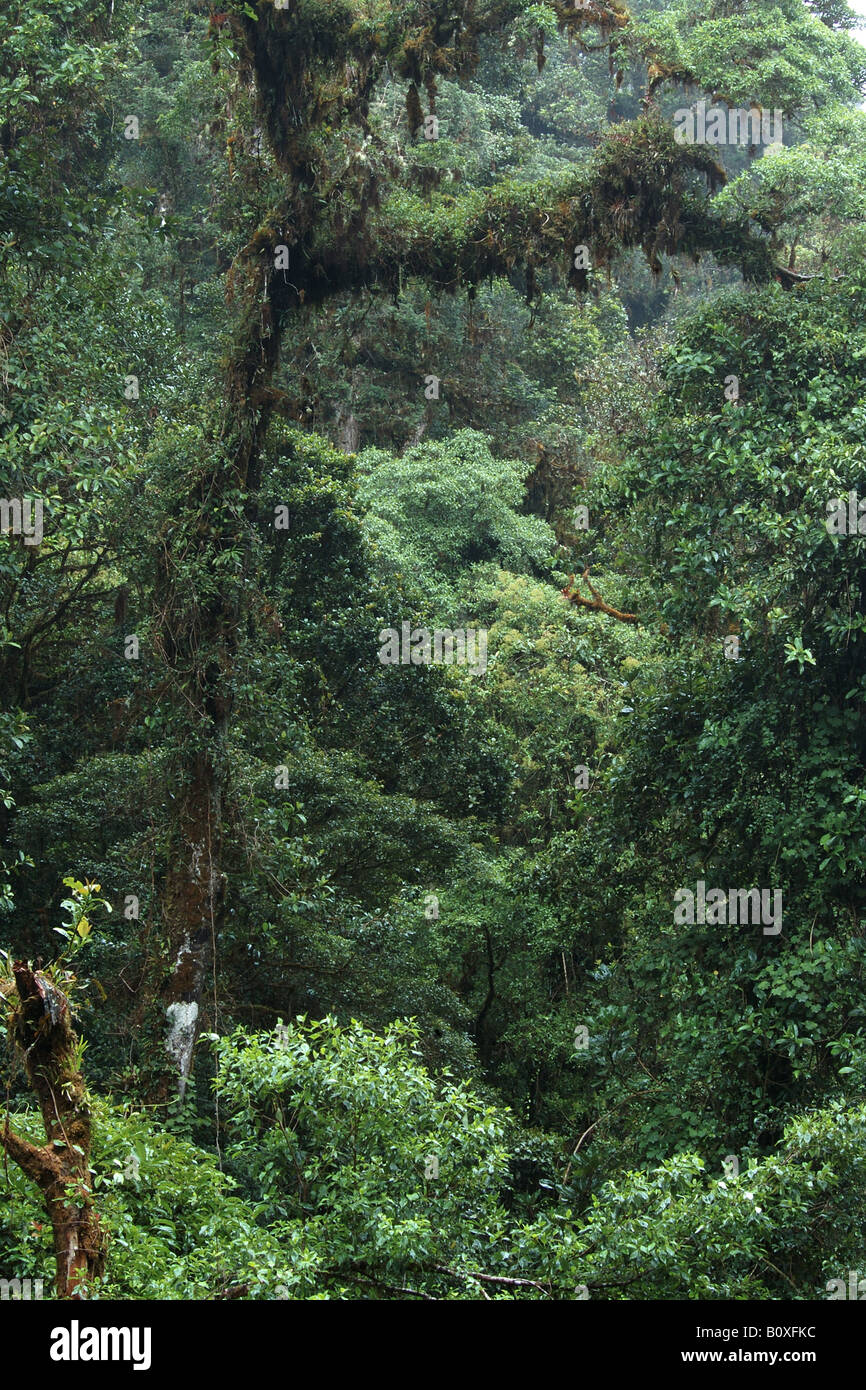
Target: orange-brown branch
<point>597,603</point>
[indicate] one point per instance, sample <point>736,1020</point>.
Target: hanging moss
<point>315,67</point>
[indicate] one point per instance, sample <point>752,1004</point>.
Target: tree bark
<point>42,1032</point>
<point>348,430</point>
<point>191,903</point>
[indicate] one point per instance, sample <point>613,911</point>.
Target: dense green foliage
<point>286,373</point>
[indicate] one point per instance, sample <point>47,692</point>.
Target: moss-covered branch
<point>42,1033</point>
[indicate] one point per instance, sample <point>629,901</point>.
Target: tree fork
<point>597,603</point>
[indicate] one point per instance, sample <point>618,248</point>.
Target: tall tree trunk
<point>191,906</point>
<point>198,642</point>
<point>42,1033</point>
<point>348,430</point>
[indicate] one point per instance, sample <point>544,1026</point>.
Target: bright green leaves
<point>810,197</point>
<point>80,906</point>
<point>795,651</point>
<point>345,1129</point>
<point>442,508</point>
<point>773,52</point>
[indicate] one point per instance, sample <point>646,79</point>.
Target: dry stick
<point>578,1144</point>
<point>532,1283</point>
<point>471,1274</point>
<point>646,1069</point>
<point>631,1096</point>
<point>763,1260</point>
<point>378,1284</point>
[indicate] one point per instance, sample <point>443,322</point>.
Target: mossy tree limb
<point>42,1034</point>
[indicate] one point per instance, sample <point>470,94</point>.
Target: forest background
<point>322,318</point>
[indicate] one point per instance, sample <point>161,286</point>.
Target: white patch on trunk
<point>185,950</point>
<point>181,1037</point>
<point>71,1254</point>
